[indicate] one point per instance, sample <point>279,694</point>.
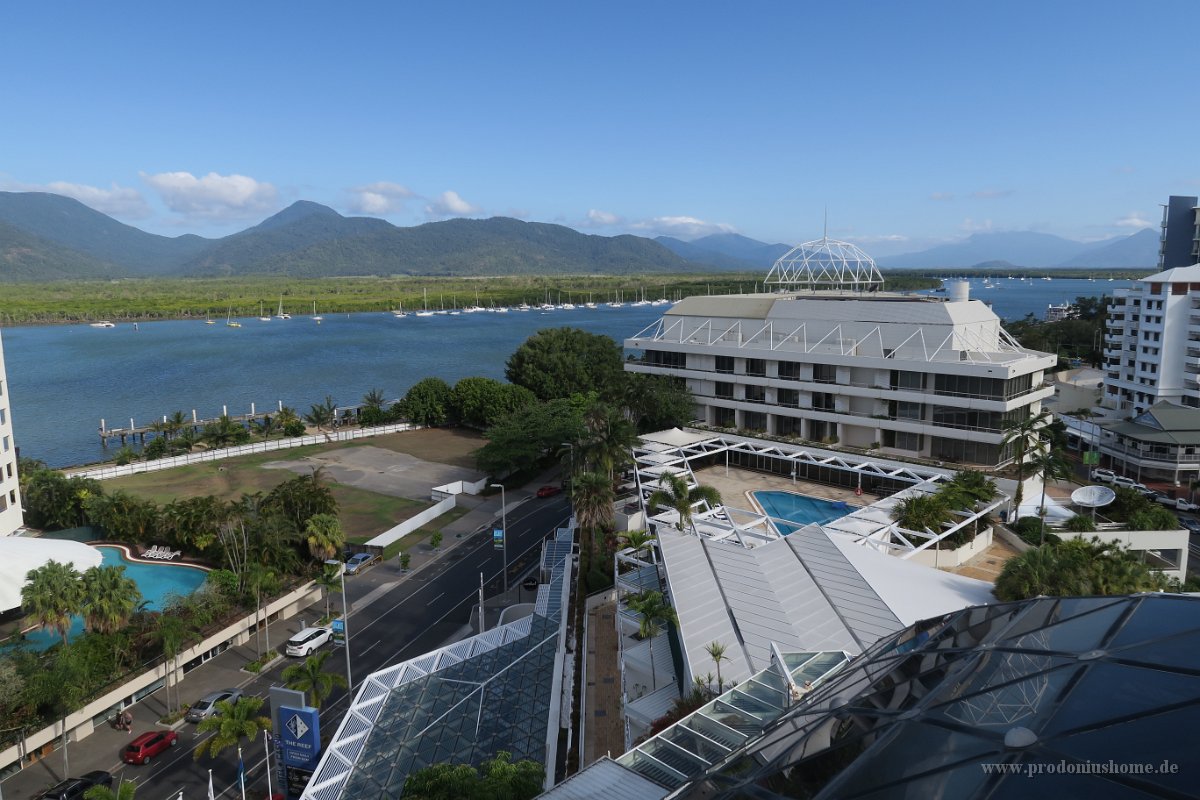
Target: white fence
<point>445,495</point>
<point>101,473</point>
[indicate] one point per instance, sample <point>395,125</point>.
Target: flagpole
<point>241,773</point>
<point>267,747</point>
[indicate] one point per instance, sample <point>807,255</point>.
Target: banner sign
<point>497,538</point>
<point>299,737</point>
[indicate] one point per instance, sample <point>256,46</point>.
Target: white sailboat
<point>425,312</point>
<point>262,317</point>
<point>400,313</point>
<point>316,317</point>
<point>279,314</point>
<point>230,322</point>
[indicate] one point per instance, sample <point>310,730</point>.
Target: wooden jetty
<point>139,432</point>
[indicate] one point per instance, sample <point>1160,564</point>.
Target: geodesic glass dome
<point>826,264</point>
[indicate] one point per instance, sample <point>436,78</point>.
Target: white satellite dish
<point>1093,496</point>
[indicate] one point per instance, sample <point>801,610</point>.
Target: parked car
<point>307,640</point>
<point>73,788</point>
<point>1147,492</point>
<point>359,562</point>
<point>1178,503</point>
<point>148,745</point>
<point>206,706</point>
<point>1122,482</point>
<point>548,491</point>
<point>1103,475</point>
<point>1190,525</point>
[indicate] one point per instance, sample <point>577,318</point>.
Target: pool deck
<point>736,484</point>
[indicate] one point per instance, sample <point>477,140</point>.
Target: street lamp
<point>504,531</point>
<point>570,445</point>
<point>333,562</point>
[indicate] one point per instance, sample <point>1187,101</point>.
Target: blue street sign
<point>300,737</point>
<point>339,625</point>
<point>497,538</point>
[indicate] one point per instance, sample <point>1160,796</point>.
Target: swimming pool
<point>799,508</point>
<point>156,582</point>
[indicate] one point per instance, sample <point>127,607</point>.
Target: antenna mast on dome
<point>825,264</point>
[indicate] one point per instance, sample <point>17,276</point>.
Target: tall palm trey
<point>1049,465</point>
<point>232,723</point>
<point>1025,437</point>
<point>676,495</point>
<point>309,676</point>
<point>654,611</point>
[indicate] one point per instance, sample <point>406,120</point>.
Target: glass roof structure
<point>499,690</point>
<point>825,264</point>
<point>1047,698</point>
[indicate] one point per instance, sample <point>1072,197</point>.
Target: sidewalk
<point>102,749</point>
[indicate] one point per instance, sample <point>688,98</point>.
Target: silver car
<point>206,706</point>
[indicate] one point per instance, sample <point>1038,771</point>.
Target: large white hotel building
<point>10,492</point>
<point>826,356</point>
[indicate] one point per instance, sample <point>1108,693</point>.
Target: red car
<point>548,491</point>
<point>148,745</point>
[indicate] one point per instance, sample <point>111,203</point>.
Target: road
<point>403,620</point>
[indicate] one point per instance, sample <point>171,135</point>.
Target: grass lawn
<point>364,514</point>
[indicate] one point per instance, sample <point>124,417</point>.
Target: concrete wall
<point>10,492</point>
<point>79,724</point>
<point>953,558</point>
<point>1143,541</point>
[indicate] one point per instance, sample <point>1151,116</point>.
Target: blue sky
<point>913,123</point>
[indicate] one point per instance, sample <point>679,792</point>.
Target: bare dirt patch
<point>453,446</point>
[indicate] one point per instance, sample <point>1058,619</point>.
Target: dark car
<point>548,491</point>
<point>1189,524</point>
<point>148,745</point>
<point>73,788</point>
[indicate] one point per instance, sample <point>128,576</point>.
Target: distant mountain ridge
<point>1034,250</point>
<point>47,237</point>
<point>50,237</point>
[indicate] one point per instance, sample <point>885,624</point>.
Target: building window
<point>789,370</point>
<point>788,397</point>
<point>756,394</point>
<point>754,421</point>
<point>900,440</point>
<point>724,417</point>
<point>666,358</point>
<point>823,401</point>
<point>1179,288</point>
<point>904,379</point>
<point>787,426</point>
<point>905,410</point>
<point>6,444</point>
<point>724,390</point>
<point>725,364</point>
<point>964,452</point>
<point>824,373</point>
<point>756,367</point>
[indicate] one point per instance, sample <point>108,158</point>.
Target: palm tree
<point>1024,436</point>
<point>608,440</point>
<point>324,535</point>
<point>676,495</point>
<point>109,599</point>
<point>308,676</point>
<point>52,594</point>
<point>922,512</point>
<point>322,414</point>
<point>592,499</point>
<point>126,790</point>
<point>653,610</point>
<point>638,540</point>
<point>716,651</point>
<point>224,432</point>
<point>374,400</point>
<point>1050,465</point>
<point>173,630</point>
<point>232,723</point>
<point>330,581</point>
<point>264,581</point>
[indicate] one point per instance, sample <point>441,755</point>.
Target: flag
<point>241,774</point>
<point>211,795</point>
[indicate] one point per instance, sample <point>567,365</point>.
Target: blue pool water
<point>799,508</point>
<point>156,582</point>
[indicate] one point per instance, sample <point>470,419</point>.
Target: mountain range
<point>50,237</point>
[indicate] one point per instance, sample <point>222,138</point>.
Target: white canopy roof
<point>20,554</point>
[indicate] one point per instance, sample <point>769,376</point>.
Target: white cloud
<point>683,227</point>
<point>213,196</point>
<point>601,219</point>
<point>449,204</point>
<point>117,201</point>
<point>991,194</point>
<point>379,198</point>
<point>1134,219</point>
<point>971,226</point>
<point>942,196</point>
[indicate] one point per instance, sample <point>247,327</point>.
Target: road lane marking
<point>372,647</point>
<point>434,600</point>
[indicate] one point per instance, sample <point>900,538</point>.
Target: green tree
<point>374,400</point>
<point>922,512</point>
<point>126,790</point>
<point>329,579</point>
<point>1024,436</point>
<point>172,632</point>
<point>498,778</point>
<point>124,516</point>
<point>110,597</point>
<point>473,401</point>
<point>192,524</point>
<point>225,432</point>
<point>1049,465</point>
<point>559,362</point>
<point>298,499</point>
<point>529,435</point>
<point>324,535</point>
<point>428,402</point>
<point>654,612</point>
<point>322,415</point>
<point>639,541</point>
<point>52,594</point>
<point>717,652</point>
<point>607,442</point>
<point>290,422</point>
<point>309,676</point>
<point>675,494</point>
<point>1076,567</point>
<point>1153,518</point>
<point>232,723</point>
<point>53,501</point>
<point>655,402</point>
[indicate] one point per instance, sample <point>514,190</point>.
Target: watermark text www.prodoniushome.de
<point>1109,767</point>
